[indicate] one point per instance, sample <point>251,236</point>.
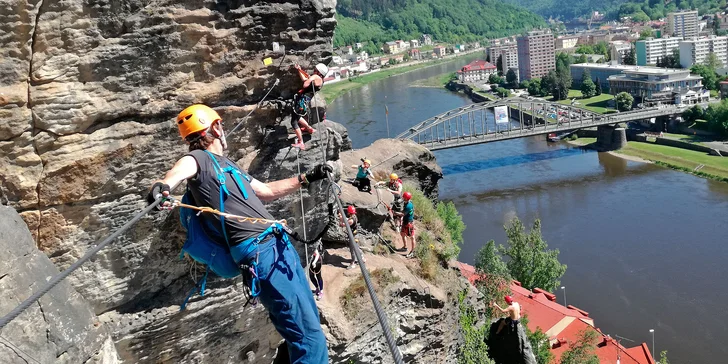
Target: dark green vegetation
<point>557,83</point>
<point>637,10</point>
<point>716,116</point>
<point>378,21</point>
<point>474,349</point>
<point>582,351</point>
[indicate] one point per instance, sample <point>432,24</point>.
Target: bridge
<point>470,124</point>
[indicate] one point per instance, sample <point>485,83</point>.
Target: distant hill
<point>379,21</point>
<point>639,10</point>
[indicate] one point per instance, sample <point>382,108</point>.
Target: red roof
<point>564,324</point>
<point>478,65</point>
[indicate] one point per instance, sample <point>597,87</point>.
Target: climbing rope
<point>303,210</point>
<point>252,220</point>
<point>381,315</point>
<point>57,279</point>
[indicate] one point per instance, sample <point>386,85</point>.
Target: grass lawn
<point>597,104</point>
<point>334,90</point>
<point>436,81</point>
<point>681,158</point>
<point>486,95</point>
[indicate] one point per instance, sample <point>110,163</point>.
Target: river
<point>645,246</point>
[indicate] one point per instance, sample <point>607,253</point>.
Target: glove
<point>157,190</point>
<point>318,173</point>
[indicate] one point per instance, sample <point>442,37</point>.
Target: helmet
<point>195,119</point>
<point>367,161</point>
<point>508,299</point>
<point>407,196</point>
<point>351,210</point>
<point>322,69</point>
<point>393,176</point>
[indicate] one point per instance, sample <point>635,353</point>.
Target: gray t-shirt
<point>205,189</point>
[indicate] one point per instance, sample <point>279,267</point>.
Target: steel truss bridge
<point>470,124</point>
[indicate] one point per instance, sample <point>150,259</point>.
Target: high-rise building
<point>649,50</point>
<point>696,51</point>
<point>683,24</point>
<point>536,55</point>
<point>509,52</point>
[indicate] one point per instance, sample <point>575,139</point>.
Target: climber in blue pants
<point>254,240</point>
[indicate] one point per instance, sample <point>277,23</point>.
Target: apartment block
<point>509,52</point>
<point>618,49</point>
<point>648,51</point>
<point>696,51</point>
<point>536,56</point>
<point>683,24</point>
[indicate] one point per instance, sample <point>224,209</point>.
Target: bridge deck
<point>469,125</point>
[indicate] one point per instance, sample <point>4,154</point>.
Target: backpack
<point>199,245</point>
<point>300,104</point>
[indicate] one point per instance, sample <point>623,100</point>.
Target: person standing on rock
<point>394,186</point>
<point>283,287</point>
<point>363,173</point>
<point>408,224</point>
<point>353,222</point>
<point>302,106</point>
<point>314,270</point>
<point>514,314</point>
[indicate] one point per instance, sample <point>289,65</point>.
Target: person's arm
<point>313,78</point>
<point>354,166</point>
<point>185,168</point>
<point>499,307</point>
<point>273,190</point>
<point>397,192</point>
<point>276,189</point>
<point>301,74</point>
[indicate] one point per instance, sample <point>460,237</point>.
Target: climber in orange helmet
<point>215,181</point>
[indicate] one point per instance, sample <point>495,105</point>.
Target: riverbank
<point>332,91</point>
<point>693,162</point>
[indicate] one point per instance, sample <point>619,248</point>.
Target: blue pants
<point>285,293</point>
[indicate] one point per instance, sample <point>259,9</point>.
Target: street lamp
<point>564,289</point>
<point>652,331</point>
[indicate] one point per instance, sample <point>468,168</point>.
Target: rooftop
<point>564,324</point>
<point>478,65</point>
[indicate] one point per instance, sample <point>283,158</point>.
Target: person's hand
<point>318,173</point>
<point>157,189</point>
<point>297,67</point>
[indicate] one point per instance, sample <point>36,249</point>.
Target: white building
<point>425,39</point>
<point>337,60</point>
<point>414,43</point>
<point>649,50</point>
<point>696,51</point>
<point>618,50</point>
<point>683,24</point>
<point>358,46</point>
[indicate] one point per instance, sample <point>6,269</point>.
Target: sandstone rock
<point>412,162</point>
<point>21,171</point>
<point>61,327</point>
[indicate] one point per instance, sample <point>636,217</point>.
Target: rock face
<point>61,327</point>
<point>509,347</point>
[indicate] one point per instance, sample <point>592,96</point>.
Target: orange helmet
<point>195,119</point>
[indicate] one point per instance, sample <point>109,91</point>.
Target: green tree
<point>588,89</point>
<point>534,87</point>
<point>694,113</point>
<point>474,349</point>
<point>453,220</point>
<point>530,262</point>
<point>494,279</point>
<point>512,79</point>
<point>710,78</point>
<point>624,101</point>
<point>582,351</point>
<point>539,342</point>
<point>499,65</point>
<point>630,58</point>
<point>502,92</point>
<point>598,87</point>
<point>495,79</point>
<point>713,62</point>
<point>663,358</point>
<point>580,59</point>
<point>646,33</point>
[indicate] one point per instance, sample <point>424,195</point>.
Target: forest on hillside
<point>379,21</point>
<point>638,10</point>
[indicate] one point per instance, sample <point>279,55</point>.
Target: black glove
<point>318,173</point>
<point>157,190</point>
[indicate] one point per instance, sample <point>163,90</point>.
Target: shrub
<point>474,349</point>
